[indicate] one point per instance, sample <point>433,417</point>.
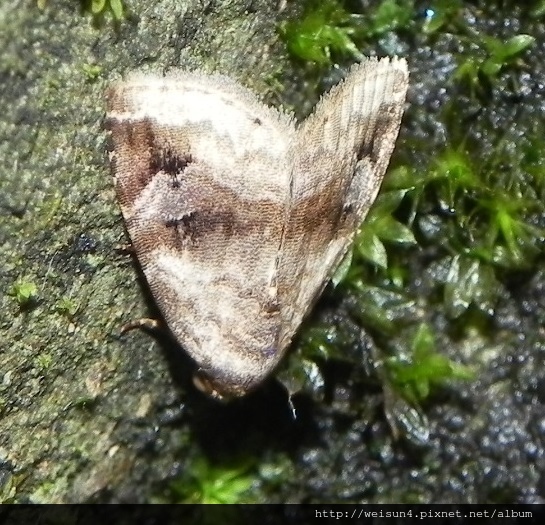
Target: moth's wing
<point>340,154</point>
<point>202,176</point>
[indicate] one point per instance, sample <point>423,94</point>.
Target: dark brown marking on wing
<point>132,157</point>
<point>165,159</point>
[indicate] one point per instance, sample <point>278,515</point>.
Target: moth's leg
<point>125,248</point>
<point>147,323</point>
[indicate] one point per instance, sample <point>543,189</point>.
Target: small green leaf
<point>370,247</point>
<point>342,270</point>
<point>66,306</point>
<point>539,10</point>
<point>322,30</point>
<point>440,13</point>
<point>405,418</point>
<point>491,68</point>
<point>455,166</point>
<point>468,71</point>
<point>116,7</point>
<point>388,229</point>
<point>503,51</point>
<point>300,375</point>
<point>469,281</point>
<point>390,15</point>
<point>97,6</point>
<point>383,310</point>
<point>387,202</point>
<point>414,374</point>
<point>92,71</point>
<point>381,226</point>
<point>319,343</point>
<point>423,341</point>
<point>23,291</point>
<point>400,178</point>
<point>511,241</point>
<point>206,483</point>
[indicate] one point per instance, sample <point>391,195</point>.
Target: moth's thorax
<point>238,216</point>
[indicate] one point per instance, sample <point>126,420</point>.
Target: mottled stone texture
<point>80,407</point>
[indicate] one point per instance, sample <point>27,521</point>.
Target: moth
<point>237,213</point>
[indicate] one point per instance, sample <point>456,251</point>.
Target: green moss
<point>24,292</point>
<point>98,8</point>
<point>301,372</point>
<point>381,226</point>
<point>474,205</point>
<point>204,482</point>
<point>443,15</point>
<point>116,8</point>
<point>322,30</point>
<point>538,10</point>
<point>414,374</point>
<point>43,361</point>
<point>92,71</point>
<point>480,69</point>
<point>236,480</point>
<point>488,220</point>
<point>66,306</point>
<point>327,30</point>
